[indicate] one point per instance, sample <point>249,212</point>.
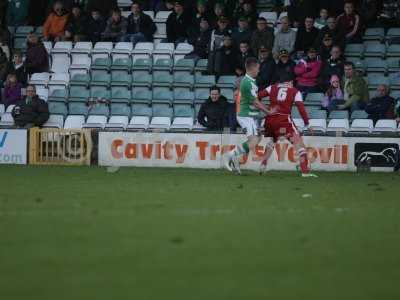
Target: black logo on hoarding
<point>375,154</point>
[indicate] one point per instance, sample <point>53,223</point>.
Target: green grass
<point>84,233</point>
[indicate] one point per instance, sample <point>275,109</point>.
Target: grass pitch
<point>85,233</point>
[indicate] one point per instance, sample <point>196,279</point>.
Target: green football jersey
<point>247,95</point>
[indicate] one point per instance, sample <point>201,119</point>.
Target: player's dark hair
<point>285,77</point>
<point>251,62</point>
<point>215,88</point>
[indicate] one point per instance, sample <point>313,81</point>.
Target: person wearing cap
<point>178,24</point>
<point>267,67</point>
<point>262,36</point>
<point>242,32</point>
<point>285,38</point>
<point>244,53</point>
<point>285,65</point>
<point>76,27</point>
<point>306,36</point>
<point>307,71</point>
<point>325,48</point>
<point>95,26</point>
<point>140,26</point>
<point>225,58</point>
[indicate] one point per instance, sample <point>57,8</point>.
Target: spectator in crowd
<point>200,41</point>
<point>96,25</point>
<point>201,13</point>
<point>3,66</point>
<point>31,111</point>
<point>322,21</point>
<point>307,71</point>
<point>17,67</point>
<point>356,94</point>
<point>262,36</point>
<point>213,113</point>
<point>5,48</point>
<point>12,90</point>
<point>381,106</point>
<point>285,65</point>
<point>178,24</point>
<point>326,47</point>
<point>332,66</point>
<point>216,42</point>
<point>389,15</point>
<point>76,28</point>
<point>334,95</point>
<point>242,32</point>
<point>140,26</point>
<point>219,12</point>
<point>331,29</point>
<point>244,53</point>
<point>369,11</point>
<point>350,24</point>
<point>285,38</point>
<point>249,13</point>
<point>298,10</point>
<point>237,10</point>
<point>104,6</point>
<point>56,22</point>
<point>267,67</point>
<point>17,12</point>
<point>225,58</point>
<point>306,36</point>
<point>5,35</point>
<point>115,28</point>
<point>37,58</point>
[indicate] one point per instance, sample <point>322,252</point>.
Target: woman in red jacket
<point>307,71</point>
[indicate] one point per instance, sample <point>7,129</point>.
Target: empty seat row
<point>372,49</point>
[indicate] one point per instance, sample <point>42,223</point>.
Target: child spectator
<point>322,21</point>
<point>334,95</point>
<point>12,90</point>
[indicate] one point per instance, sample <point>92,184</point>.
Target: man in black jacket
<point>381,106</point>
<point>214,112</point>
<point>140,26</point>
<point>267,68</point>
<point>96,24</point>
<point>331,66</point>
<point>200,41</point>
<point>285,65</point>
<point>31,111</point>
<point>178,24</point>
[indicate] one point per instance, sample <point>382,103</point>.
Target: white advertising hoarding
<point>13,146</point>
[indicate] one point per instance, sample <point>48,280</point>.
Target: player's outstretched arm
<point>261,106</point>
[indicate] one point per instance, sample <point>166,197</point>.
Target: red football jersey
<point>282,97</point>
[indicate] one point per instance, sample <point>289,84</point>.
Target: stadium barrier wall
<point>205,151</point>
<point>13,146</point>
<point>52,146</point>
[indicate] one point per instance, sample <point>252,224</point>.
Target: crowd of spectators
<point>308,44</point>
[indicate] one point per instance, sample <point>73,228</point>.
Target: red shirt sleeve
<point>302,111</point>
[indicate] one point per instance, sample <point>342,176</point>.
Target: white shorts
<point>249,124</point>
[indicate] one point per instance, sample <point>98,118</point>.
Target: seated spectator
<point>115,28</point>
<point>140,26</point>
<point>200,41</point>
<point>326,47</point>
<point>381,106</point>
<point>216,42</point>
<point>225,58</point>
<point>244,53</point>
<point>285,38</point>
<point>16,66</point>
<point>350,24</point>
<point>37,58</point>
<point>3,66</point>
<point>214,113</point>
<point>306,36</point>
<point>56,22</point>
<point>331,66</point>
<point>104,6</point>
<point>307,71</point>
<point>356,94</point>
<point>334,95</point>
<point>267,67</point>
<point>17,12</point>
<point>285,65</point>
<point>243,32</point>
<point>201,13</point>
<point>95,26</point>
<point>31,111</point>
<point>331,29</point>
<point>262,36</point>
<point>218,12</point>
<point>322,21</point>
<point>178,24</point>
<point>298,10</point>
<point>389,15</point>
<point>12,90</point>
<point>249,13</point>
<point>76,27</point>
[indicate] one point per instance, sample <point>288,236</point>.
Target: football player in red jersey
<point>279,123</point>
